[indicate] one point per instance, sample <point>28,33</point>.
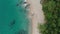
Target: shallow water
<point>13,17</point>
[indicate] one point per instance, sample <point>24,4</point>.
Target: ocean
<point>13,17</point>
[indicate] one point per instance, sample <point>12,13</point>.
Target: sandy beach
<point>36,15</point>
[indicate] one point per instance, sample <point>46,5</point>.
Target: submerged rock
<point>12,23</point>
<point>21,32</point>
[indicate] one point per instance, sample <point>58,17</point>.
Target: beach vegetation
<point>51,9</point>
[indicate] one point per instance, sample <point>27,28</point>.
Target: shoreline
<point>35,15</point>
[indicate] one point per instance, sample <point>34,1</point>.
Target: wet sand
<point>36,15</point>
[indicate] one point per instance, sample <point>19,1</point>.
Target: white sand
<point>36,15</point>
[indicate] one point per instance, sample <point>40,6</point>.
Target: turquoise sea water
<point>13,17</point>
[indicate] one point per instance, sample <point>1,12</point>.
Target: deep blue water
<point>13,17</point>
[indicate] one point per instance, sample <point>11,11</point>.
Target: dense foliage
<point>51,10</point>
